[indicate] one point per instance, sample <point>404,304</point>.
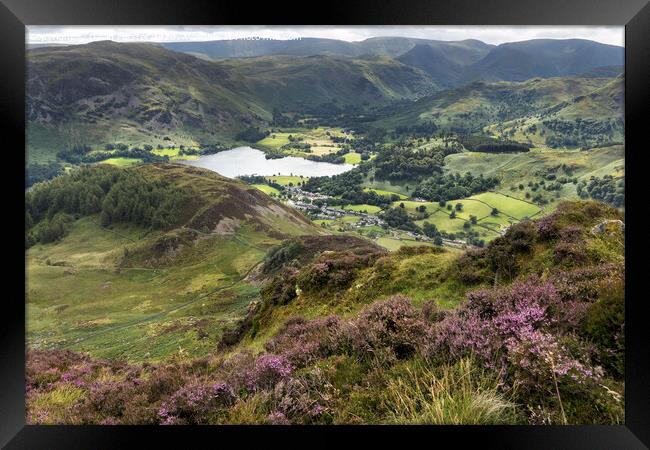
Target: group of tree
<point>117,195</point>
<point>430,230</point>
<point>37,173</point>
<point>348,186</point>
<point>203,149</point>
<point>399,218</point>
<point>399,163</point>
<point>332,158</point>
<point>83,154</point>
<point>605,189</point>
<point>251,134</point>
<point>258,179</point>
<point>488,144</point>
<point>441,187</point>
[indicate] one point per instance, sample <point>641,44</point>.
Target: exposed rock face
<point>608,226</point>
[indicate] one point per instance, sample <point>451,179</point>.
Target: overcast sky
<point>488,34</point>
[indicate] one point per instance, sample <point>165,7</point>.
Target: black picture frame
<point>633,14</point>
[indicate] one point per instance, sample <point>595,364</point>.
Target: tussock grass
<point>451,394</point>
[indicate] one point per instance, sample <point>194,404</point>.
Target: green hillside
<point>343,333</point>
<point>588,119</point>
<point>141,93</point>
<point>481,104</point>
<point>132,291</point>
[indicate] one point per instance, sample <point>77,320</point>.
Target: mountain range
<point>448,62</point>
<point>139,91</point>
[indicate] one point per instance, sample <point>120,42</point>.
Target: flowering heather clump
<point>333,271</point>
<point>277,418</point>
<point>268,371</point>
<point>512,328</point>
<point>584,284</point>
<point>235,369</point>
<point>294,403</point>
<point>196,404</point>
<point>302,400</point>
<point>547,227</point>
<point>302,341</point>
<point>393,325</point>
<point>44,368</point>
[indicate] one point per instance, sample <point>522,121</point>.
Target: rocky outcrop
<point>608,226</point>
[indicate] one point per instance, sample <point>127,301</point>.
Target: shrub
<point>196,404</point>
<point>521,236</point>
<point>300,400</point>
<point>268,370</point>
<point>393,325</point>
<point>514,330</point>
<point>302,341</point>
<point>333,271</point>
<point>281,290</point>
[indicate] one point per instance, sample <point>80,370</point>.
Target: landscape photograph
<point>325,225</point>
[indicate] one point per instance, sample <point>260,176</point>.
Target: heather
<point>528,330</point>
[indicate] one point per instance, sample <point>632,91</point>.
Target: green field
<point>275,140</point>
<point>522,168</point>
<point>173,154</point>
<point>511,210</point>
<point>387,187</point>
<point>317,138</point>
<point>385,193</point>
<point>411,206</point>
<point>352,158</point>
<point>266,189</point>
<point>121,162</point>
<point>510,206</point>
<point>284,180</point>
<point>393,244</point>
<point>370,209</point>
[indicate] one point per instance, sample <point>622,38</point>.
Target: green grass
<point>320,141</point>
<point>370,209</point>
<point>108,292</point>
<point>284,180</point>
<point>266,189</point>
<point>387,187</point>
<point>89,304</point>
<point>275,140</point>
<point>394,244</point>
<point>522,168</point>
<point>352,158</point>
<point>516,208</point>
<point>173,154</point>
<point>385,193</point>
<point>411,206</point>
<point>459,394</point>
<point>121,162</point>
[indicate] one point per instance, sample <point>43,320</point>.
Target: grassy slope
<point>140,93</point>
<point>85,293</point>
<point>431,274</point>
<point>517,168</point>
<point>483,104</point>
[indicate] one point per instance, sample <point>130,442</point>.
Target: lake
<point>249,161</point>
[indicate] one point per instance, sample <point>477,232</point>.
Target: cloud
<point>489,34</point>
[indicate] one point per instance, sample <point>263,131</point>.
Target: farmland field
<point>121,162</point>
<point>266,189</point>
<point>370,209</point>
